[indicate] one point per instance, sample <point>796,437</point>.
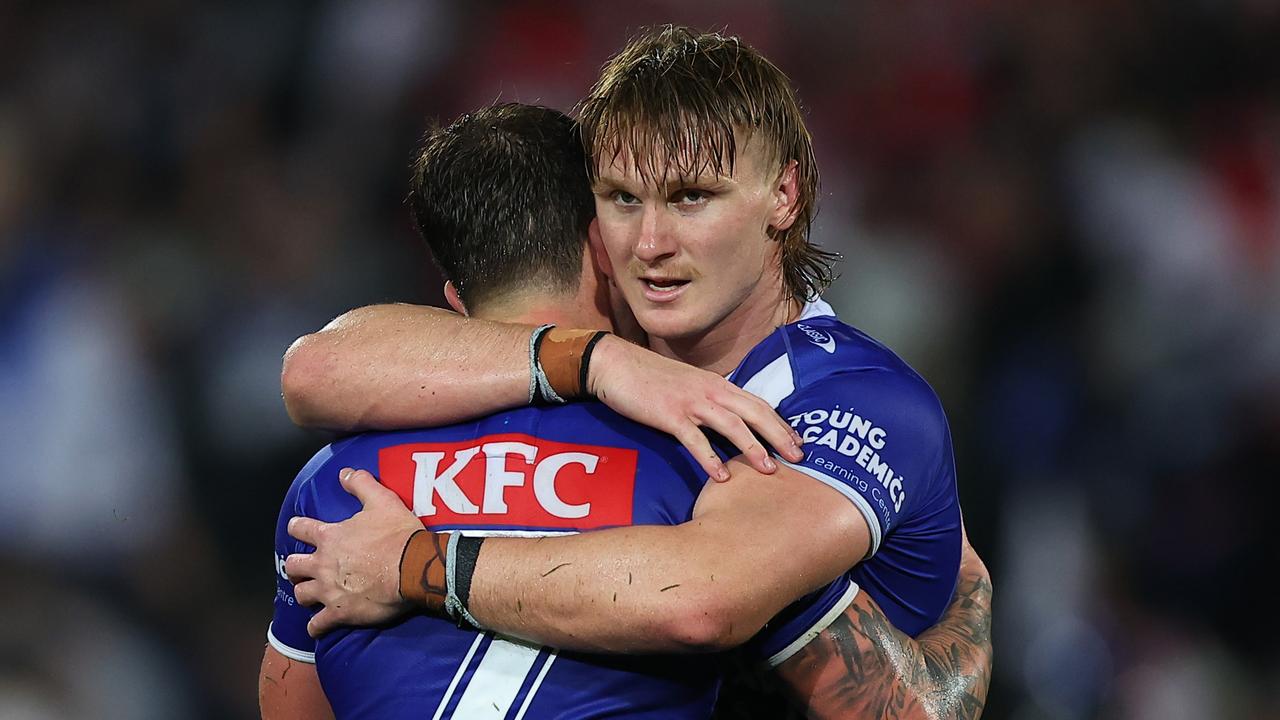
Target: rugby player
<point>705,184</point>
<point>427,663</point>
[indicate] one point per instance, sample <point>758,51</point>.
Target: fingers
<point>691,437</point>
<point>365,487</point>
<point>733,429</point>
<point>300,566</point>
<point>739,416</point>
<point>330,615</point>
<point>762,418</point>
<point>306,529</point>
<point>322,622</point>
<point>307,593</point>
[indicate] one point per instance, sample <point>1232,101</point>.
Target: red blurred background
<point>1065,214</point>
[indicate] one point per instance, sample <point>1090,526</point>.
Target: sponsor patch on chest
<point>513,479</point>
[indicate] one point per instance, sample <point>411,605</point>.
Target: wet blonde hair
<point>677,102</point>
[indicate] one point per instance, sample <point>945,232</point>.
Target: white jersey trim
<point>482,532</point>
<point>816,308</point>
<point>774,382</point>
<point>873,522</point>
<point>290,652</point>
<point>816,629</point>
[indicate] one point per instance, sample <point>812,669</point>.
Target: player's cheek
<point>618,233</point>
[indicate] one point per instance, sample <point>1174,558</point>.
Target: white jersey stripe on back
<point>524,707</point>
<point>497,680</point>
<point>462,668</point>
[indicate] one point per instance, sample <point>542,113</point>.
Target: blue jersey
<point>875,431</point>
<point>534,471</point>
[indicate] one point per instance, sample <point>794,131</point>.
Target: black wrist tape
<point>460,567</point>
<point>467,553</point>
<point>585,368</point>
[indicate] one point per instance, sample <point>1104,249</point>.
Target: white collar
<point>816,308</point>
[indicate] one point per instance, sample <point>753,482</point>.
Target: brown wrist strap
<point>423,578</point>
<point>562,357</point>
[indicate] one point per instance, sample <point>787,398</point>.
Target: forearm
<point>864,667</point>
<point>957,653</point>
<point>634,590</point>
<point>755,544</point>
<point>395,366</point>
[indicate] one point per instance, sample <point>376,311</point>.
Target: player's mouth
<point>662,289</point>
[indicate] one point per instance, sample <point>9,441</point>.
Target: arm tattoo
<point>863,667</point>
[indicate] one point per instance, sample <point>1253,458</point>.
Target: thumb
<point>365,487</point>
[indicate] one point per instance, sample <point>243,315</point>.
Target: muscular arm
<point>290,690</point>
<point>863,667</point>
<point>386,367</point>
<point>754,545</point>
<point>395,366</point>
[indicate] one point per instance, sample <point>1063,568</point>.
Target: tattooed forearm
<point>863,667</point>
<point>957,652</point>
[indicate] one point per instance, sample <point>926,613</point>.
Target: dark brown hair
<point>501,200</point>
<point>677,102</point>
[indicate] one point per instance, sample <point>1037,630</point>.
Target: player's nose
<point>655,240</point>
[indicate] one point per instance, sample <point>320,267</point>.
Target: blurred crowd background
<point>1065,214</point>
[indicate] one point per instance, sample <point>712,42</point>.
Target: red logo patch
<point>512,479</point>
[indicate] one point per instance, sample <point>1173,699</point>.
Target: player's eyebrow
<point>668,184</point>
<point>602,184</point>
<point>703,180</point>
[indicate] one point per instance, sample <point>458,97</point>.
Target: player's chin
<point>671,322</point>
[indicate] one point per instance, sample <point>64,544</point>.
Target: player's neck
<point>587,307</point>
<point>721,348</point>
<point>559,310</point>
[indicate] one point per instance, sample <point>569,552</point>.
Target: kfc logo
<point>513,480</point>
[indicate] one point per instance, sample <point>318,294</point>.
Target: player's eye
<point>690,196</point>
<point>622,197</point>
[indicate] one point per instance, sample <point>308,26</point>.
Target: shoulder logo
<point>818,337</point>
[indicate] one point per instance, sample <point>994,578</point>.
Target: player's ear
<point>451,297</point>
<point>786,196</point>
<point>597,248</point>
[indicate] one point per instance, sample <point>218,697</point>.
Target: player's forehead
<point>654,158</point>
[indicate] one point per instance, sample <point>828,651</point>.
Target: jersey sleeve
<point>800,622</point>
<point>876,436</point>
<point>288,630</point>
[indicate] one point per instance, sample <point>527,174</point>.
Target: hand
<point>355,569</point>
<point>680,400</point>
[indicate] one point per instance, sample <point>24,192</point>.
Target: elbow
<point>303,375</point>
<point>707,626</point>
